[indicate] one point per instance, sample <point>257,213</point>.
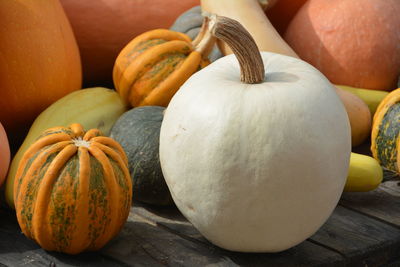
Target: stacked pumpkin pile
<point>243,144</point>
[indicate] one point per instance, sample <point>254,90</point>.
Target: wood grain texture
<point>305,254</point>
<point>17,250</point>
<point>363,230</point>
<point>362,240</point>
<point>382,203</point>
<point>143,238</point>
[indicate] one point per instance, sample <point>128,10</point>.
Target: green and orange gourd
<point>385,141</point>
<point>72,190</point>
<point>152,67</point>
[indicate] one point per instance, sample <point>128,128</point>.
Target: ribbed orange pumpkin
<point>152,67</point>
<point>72,190</point>
<point>39,61</point>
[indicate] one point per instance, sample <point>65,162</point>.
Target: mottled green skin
<point>386,139</point>
<point>138,132</point>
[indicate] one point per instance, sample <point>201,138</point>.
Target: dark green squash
<point>385,137</point>
<point>190,23</point>
<point>138,132</point>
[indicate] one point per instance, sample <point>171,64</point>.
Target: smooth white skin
<point>256,168</point>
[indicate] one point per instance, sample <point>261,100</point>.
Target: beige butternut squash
<point>251,15</point>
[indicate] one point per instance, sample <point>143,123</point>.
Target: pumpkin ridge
<point>98,203</point>
<point>53,131</point>
<point>155,76</point>
<point>91,134</point>
<point>123,178</point>
<point>77,130</point>
<point>36,157</point>
<point>115,156</point>
<point>27,192</point>
<point>140,48</point>
<point>113,144</point>
<point>113,196</point>
<point>387,137</point>
<point>163,34</point>
<point>40,217</point>
<point>80,239</point>
<point>162,94</point>
<point>381,123</point>
<point>110,152</point>
<point>62,205</point>
<point>46,141</point>
<point>146,60</point>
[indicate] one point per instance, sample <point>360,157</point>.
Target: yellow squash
<point>365,174</point>
<point>93,108</point>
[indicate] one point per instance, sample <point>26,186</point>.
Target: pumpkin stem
<point>243,46</point>
<point>205,40</point>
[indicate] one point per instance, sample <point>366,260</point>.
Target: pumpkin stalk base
<point>80,142</point>
<point>243,46</point>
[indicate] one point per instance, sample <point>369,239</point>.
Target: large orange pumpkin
<point>4,154</point>
<point>73,190</point>
<point>281,13</point>
<point>39,61</point>
<point>352,42</point>
<point>104,27</point>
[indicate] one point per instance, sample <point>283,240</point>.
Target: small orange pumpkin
<point>152,67</point>
<point>72,190</point>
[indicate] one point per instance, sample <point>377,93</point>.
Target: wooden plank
<point>17,250</point>
<point>305,254</point>
<point>361,239</point>
<point>382,203</point>
<point>141,238</point>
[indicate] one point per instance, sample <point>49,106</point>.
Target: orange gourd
<point>354,43</point>
<point>152,67</point>
<point>72,190</point>
<point>385,135</point>
<point>103,27</point>
<point>39,61</point>
<point>4,154</point>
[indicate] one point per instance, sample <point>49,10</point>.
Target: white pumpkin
<point>256,167</point>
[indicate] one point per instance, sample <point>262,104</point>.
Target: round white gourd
<point>256,167</point>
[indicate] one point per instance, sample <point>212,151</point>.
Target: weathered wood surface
<point>364,230</point>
